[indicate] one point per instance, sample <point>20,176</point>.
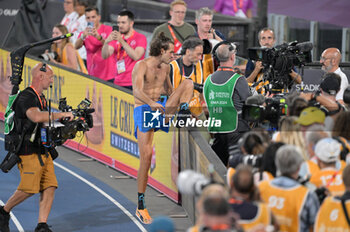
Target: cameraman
<point>36,165</point>
<point>225,93</point>
<point>254,71</point>
<point>332,215</point>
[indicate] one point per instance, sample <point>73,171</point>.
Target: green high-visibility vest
<point>220,104</point>
<point>9,114</point>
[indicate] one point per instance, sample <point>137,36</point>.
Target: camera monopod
<point>17,60</point>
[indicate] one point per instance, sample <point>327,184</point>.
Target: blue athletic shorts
<point>139,120</point>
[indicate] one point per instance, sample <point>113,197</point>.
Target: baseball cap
<point>311,115</point>
<point>327,150</point>
<point>330,85</point>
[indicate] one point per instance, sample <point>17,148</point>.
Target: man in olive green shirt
<point>176,29</point>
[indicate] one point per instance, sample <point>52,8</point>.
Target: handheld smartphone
<point>90,24</point>
<point>115,28</point>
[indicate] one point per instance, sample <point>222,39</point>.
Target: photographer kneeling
<point>35,165</point>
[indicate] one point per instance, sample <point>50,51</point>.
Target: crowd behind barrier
<point>308,116</point>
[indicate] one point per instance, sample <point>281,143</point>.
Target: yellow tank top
<point>81,66</point>
<point>312,167</point>
<point>195,104</point>
<point>263,216</point>
<point>329,178</point>
<point>285,204</point>
<point>331,216</point>
<point>208,65</point>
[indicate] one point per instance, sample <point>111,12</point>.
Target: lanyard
<point>121,49</point>
<point>41,103</point>
<point>234,2</point>
<point>225,69</point>
<point>332,179</point>
<point>177,44</point>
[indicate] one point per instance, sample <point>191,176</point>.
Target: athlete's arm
<point>168,85</point>
<point>37,116</point>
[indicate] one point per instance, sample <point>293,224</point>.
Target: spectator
<point>66,53</point>
<point>71,16</point>
<point>93,38</point>
<point>243,200</point>
<point>332,215</point>
<point>176,29</point>
<point>204,21</point>
<point>234,91</point>
<point>294,206</point>
<point>327,152</point>
<point>238,8</point>
<point>127,46</point>
<point>79,25</point>
<point>330,60</point>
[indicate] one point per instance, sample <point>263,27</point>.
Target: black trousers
<point>224,142</point>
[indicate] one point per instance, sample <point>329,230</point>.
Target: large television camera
<point>258,109</point>
<point>68,129</point>
<point>280,60</point>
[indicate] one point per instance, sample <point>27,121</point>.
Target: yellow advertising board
<point>112,139</point>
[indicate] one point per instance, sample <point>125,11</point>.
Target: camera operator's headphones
<point>43,67</point>
<point>232,47</point>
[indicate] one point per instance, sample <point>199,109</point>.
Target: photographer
<point>326,98</point>
<point>334,212</point>
<point>213,210</point>
<point>225,93</point>
<point>327,152</point>
<point>36,165</point>
<point>244,202</point>
<point>294,206</point>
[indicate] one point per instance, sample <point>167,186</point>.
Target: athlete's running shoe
<point>144,216</point>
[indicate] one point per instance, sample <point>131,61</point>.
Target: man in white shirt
<point>71,16</point>
<point>79,25</point>
<point>330,60</point>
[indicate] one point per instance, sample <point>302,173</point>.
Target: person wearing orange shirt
<point>294,206</point>
<point>327,151</point>
<point>332,215</point>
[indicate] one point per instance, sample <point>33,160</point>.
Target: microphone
<point>304,46</point>
<point>17,59</point>
<point>255,100</point>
